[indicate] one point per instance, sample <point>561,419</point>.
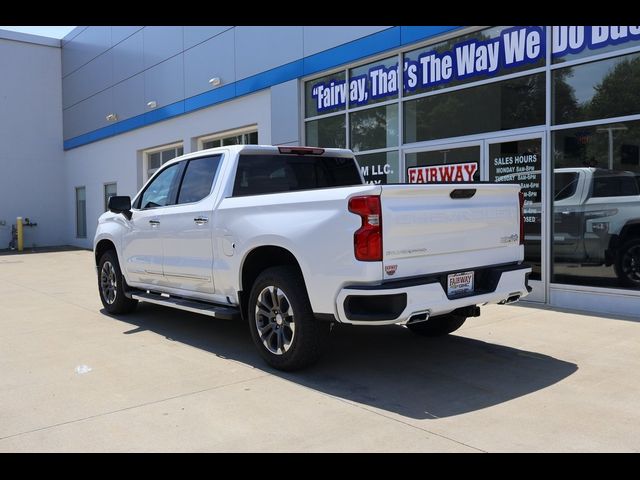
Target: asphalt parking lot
<point>516,379</point>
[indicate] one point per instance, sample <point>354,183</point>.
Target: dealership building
<point>556,109</point>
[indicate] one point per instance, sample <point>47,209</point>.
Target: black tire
<point>117,304</point>
<point>287,334</point>
<point>627,264</point>
<point>437,326</point>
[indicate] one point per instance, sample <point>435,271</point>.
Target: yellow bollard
<point>20,233</point>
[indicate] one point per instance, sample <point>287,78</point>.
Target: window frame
<point>227,134</point>
<point>148,152</point>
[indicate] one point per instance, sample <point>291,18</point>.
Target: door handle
<point>201,220</point>
<point>154,223</point>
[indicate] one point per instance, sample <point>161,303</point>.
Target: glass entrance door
<point>520,160</point>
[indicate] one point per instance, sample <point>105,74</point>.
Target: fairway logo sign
<point>459,172</point>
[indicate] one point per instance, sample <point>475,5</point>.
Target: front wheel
<point>628,263</point>
<point>437,326</point>
<point>282,324</point>
<point>111,285</point>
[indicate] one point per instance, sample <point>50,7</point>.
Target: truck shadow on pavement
<point>385,367</point>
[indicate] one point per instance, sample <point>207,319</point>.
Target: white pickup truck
<point>291,240</point>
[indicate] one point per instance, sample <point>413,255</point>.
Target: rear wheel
<point>111,285</point>
<point>628,263</point>
<point>282,324</point>
<point>437,326</point>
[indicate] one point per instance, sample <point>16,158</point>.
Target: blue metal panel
<point>128,58</point>
<point>213,58</point>
<point>274,76</point>
<point>194,35</point>
<point>161,43</point>
<point>415,34</point>
<point>89,137</point>
<point>349,52</point>
<point>119,33</point>
<point>128,97</point>
<point>128,124</point>
<point>164,83</point>
<point>319,38</point>
<point>164,113</point>
<point>263,48</point>
<point>86,46</point>
<point>220,94</point>
<point>95,76</point>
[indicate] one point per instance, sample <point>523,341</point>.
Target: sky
<point>55,32</point>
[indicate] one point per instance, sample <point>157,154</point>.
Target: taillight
<point>521,198</point>
<point>367,241</point>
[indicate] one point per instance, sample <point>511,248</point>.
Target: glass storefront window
<point>373,83</point>
<point>326,94</point>
<point>514,103</point>
<point>472,57</point>
<point>327,132</point>
<point>380,168</point>
<point>596,206</point>
<point>607,88</point>
<point>574,42</point>
<point>374,128</point>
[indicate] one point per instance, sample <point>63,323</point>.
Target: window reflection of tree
<point>617,94</point>
<point>370,130</point>
<point>514,103</point>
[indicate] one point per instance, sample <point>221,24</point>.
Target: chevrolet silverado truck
<point>292,241</point>
<point>597,220</point>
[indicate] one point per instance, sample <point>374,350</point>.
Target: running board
<point>204,308</point>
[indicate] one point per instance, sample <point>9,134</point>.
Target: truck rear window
<point>262,174</point>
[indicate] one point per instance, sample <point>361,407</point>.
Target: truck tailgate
<point>425,230</point>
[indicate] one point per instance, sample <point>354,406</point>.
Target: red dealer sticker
<point>459,172</point>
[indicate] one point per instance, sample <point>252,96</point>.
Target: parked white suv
<point>291,240</point>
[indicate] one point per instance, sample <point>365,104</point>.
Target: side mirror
<point>120,204</point>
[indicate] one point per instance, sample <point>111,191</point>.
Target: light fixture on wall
<point>152,104</point>
<point>112,117</point>
<point>215,81</point>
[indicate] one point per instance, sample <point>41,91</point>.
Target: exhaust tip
<point>510,299</point>
<point>419,317</point>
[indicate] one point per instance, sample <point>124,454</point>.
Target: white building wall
<point>31,168</point>
<point>119,159</point>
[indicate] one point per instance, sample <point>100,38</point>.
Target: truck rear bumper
<point>401,301</point>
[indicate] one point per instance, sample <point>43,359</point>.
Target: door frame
<point>540,292</point>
